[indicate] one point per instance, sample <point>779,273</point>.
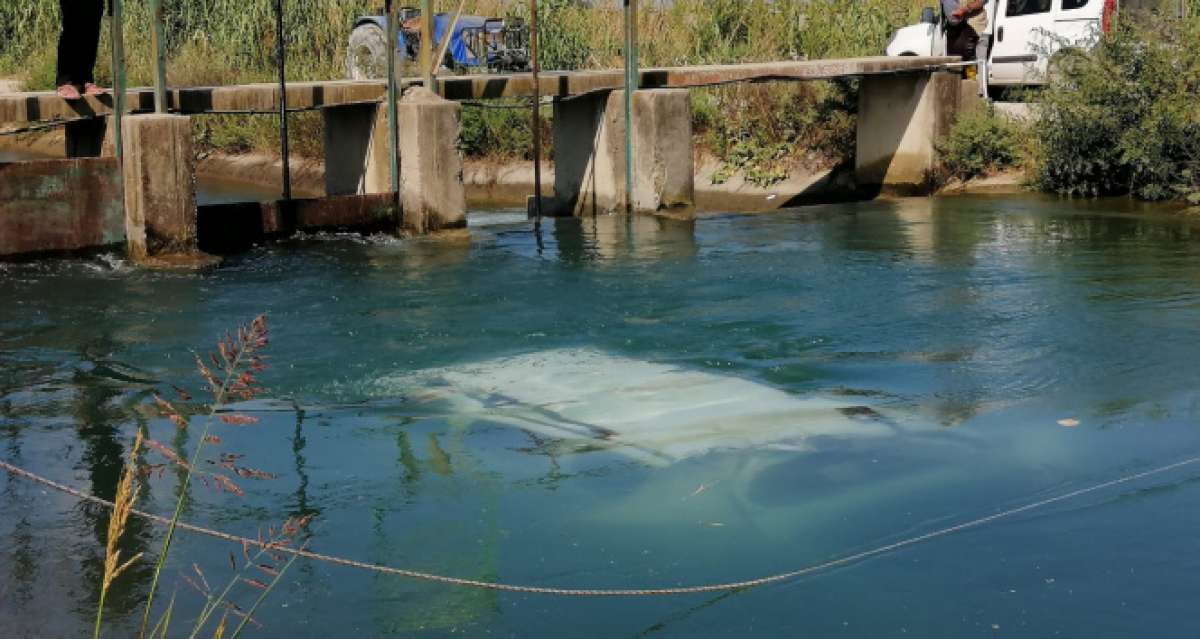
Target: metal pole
<point>632,82</point>
<point>160,56</point>
<point>281,63</point>
<point>537,116</point>
<point>392,116</point>
<point>116,23</point>
<point>425,56</point>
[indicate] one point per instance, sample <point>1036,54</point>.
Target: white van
<point>1025,33</point>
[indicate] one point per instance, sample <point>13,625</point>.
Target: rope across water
<point>607,592</point>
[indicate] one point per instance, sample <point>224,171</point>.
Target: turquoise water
<point>958,332</point>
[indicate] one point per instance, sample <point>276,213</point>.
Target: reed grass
<point>231,375</point>
<point>125,499</point>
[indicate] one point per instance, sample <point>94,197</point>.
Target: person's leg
<point>89,39</point>
<point>66,41</point>
<point>981,54</point>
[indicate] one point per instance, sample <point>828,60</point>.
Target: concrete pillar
<point>900,119</point>
<point>90,138</point>
<point>160,186</point>
<point>432,195</point>
<point>356,150</point>
<point>589,154</point>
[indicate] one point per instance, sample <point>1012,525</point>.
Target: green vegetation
<point>1125,116</point>
<point>982,142</point>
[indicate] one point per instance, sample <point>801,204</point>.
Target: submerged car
<point>477,44</point>
<point>1026,35</point>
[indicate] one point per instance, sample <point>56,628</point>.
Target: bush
<point>763,131</point>
<point>1124,118</point>
<point>980,143</point>
<point>503,130</point>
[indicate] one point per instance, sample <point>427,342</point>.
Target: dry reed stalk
<point>127,494</point>
<point>235,363</point>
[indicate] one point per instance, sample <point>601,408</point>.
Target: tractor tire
<point>366,57</point>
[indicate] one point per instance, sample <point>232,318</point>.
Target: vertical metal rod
<point>632,82</point>
<point>160,56</point>
<point>116,22</point>
<point>537,116</point>
<point>425,56</point>
<point>281,63</point>
<point>392,116</point>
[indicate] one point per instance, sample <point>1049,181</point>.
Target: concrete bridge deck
<point>22,109</point>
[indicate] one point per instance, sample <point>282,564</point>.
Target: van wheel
<point>366,57</point>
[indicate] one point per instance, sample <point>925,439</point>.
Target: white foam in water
<point>656,412</point>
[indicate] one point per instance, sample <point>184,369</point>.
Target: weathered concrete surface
<point>431,173</point>
<point>356,150</point>
<point>60,205</point>
<point>230,228</point>
<point>900,119</point>
<point>160,185</point>
<point>589,143</point>
<point>264,98</point>
<point>664,165</point>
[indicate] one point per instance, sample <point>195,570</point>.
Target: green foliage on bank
<point>1124,117</point>
<point>983,142</point>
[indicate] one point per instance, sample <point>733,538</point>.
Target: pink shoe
<point>92,89</point>
<point>68,92</point>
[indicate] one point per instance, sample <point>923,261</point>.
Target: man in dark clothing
<point>77,47</point>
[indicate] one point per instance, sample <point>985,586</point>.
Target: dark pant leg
<point>78,40</point>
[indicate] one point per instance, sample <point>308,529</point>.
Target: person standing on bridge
<point>974,12</point>
<point>77,48</point>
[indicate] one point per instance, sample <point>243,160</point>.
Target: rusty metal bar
<point>537,115</point>
<point>281,63</point>
<point>392,115</point>
<point>632,81</point>
<point>116,22</point>
<point>425,54</point>
<point>158,35</point>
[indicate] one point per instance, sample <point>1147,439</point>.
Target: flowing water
<point>645,404</point>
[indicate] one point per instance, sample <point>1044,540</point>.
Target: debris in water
<point>702,488</point>
<point>1069,422</point>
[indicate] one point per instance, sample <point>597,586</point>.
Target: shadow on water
<point>100,407</point>
<point>606,238</point>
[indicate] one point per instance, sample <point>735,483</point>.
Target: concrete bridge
<point>905,105</point>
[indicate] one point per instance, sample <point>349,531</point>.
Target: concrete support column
<point>900,119</point>
<point>356,150</point>
<point>432,195</point>
<point>92,138</point>
<point>589,148</point>
<point>160,186</point>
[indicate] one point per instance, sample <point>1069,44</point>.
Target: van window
<point>1071,5</point>
<point>1028,7</point>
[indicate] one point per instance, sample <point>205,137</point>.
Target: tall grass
<point>231,41</point>
<point>232,377</point>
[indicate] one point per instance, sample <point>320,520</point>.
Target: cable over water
<point>609,592</point>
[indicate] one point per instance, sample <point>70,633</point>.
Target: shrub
<point>762,131</point>
<point>979,143</point>
<point>1124,117</point>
